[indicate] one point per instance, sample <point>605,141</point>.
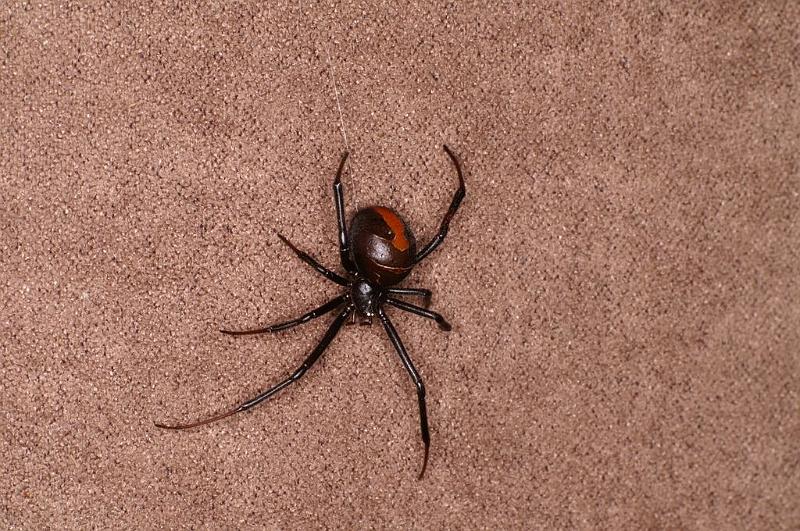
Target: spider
<point>378,251</point>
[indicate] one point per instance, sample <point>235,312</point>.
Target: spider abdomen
<point>382,246</point>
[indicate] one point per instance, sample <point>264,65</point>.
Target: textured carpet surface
<point>622,277</point>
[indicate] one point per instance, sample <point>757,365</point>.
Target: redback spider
<point>378,252</point>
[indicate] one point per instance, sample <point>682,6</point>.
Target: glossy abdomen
<point>382,246</point>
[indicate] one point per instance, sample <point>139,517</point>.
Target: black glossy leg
<point>338,196</point>
<point>416,310</point>
<point>421,292</point>
<point>423,409</point>
<point>307,364</point>
<point>313,314</point>
<point>305,257</point>
<point>445,226</point>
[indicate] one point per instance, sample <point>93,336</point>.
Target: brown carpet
<point>622,277</point>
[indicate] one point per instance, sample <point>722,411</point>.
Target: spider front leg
<point>412,371</point>
<point>296,375</point>
<point>338,196</point>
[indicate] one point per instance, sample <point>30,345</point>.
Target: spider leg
<point>338,196</point>
<point>324,271</point>
<point>313,314</point>
<point>445,226</point>
<point>425,293</point>
<point>423,409</point>
<point>296,375</point>
<point>416,310</point>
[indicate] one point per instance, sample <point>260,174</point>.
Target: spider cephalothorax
<point>377,253</point>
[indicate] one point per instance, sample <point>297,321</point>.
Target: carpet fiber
<point>622,278</point>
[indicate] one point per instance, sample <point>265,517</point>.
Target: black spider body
<point>364,295</point>
<point>377,252</point>
<point>383,248</point>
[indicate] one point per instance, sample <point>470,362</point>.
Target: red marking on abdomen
<point>399,242</point>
